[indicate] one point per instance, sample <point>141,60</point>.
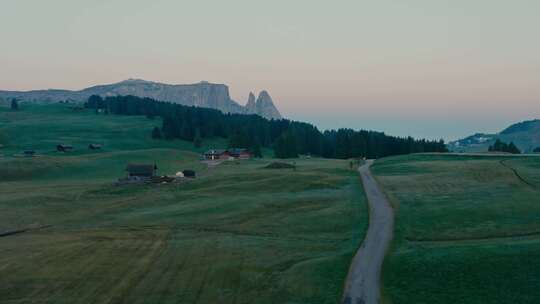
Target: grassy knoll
<point>236,234</point>
<point>467,229</point>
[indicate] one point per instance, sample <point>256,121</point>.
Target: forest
<point>289,139</point>
<point>500,146</point>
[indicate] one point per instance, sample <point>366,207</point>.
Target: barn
<point>29,153</point>
<point>141,170</point>
<point>64,148</point>
<point>221,154</point>
<point>216,154</point>
<point>189,173</point>
<point>240,153</point>
<point>94,146</point>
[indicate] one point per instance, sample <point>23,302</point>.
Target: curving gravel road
<point>363,281</point>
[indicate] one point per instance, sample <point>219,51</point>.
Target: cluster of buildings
<point>147,174</point>
<point>227,154</point>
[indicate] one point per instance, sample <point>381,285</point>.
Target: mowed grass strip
<point>467,229</point>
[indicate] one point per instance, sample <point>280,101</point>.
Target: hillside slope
<point>235,234</point>
<point>526,136</point>
<point>202,94</point>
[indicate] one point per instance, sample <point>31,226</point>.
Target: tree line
<point>500,146</point>
<point>288,138</point>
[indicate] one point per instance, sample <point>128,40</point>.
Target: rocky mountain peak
<point>251,106</point>
<point>202,94</point>
<point>265,106</point>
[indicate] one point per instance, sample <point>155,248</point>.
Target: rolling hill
<point>237,233</point>
<point>526,136</point>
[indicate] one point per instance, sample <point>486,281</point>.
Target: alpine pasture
<point>467,228</point>
<point>238,233</point>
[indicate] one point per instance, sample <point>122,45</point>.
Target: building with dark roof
<point>221,154</point>
<point>94,146</point>
<point>141,170</point>
<point>64,148</point>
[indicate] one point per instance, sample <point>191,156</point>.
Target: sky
<point>425,68</point>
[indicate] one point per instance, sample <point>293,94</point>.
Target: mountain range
<point>525,135</point>
<point>202,94</point>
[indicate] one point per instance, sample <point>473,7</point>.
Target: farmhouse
<point>64,148</point>
<point>189,173</point>
<point>217,154</point>
<point>29,153</point>
<point>94,146</point>
<point>240,153</point>
<point>141,170</point>
<point>221,154</point>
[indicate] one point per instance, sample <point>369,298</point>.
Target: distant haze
<point>421,67</point>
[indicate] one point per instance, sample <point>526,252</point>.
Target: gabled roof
<point>140,168</point>
<point>238,150</point>
<point>215,151</point>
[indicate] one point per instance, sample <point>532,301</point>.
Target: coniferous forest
<point>288,138</point>
<point>500,146</point>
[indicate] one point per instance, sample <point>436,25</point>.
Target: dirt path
<point>363,281</point>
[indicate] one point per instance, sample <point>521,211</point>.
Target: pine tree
<point>168,128</point>
<point>14,104</point>
<point>513,149</point>
<point>285,146</point>
<point>197,140</point>
<point>256,148</point>
<point>156,133</point>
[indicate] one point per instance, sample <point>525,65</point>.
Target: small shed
<point>29,153</point>
<point>189,173</point>
<point>94,146</point>
<point>141,170</point>
<point>64,148</point>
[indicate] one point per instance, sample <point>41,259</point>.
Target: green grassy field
<point>467,229</point>
<point>236,234</point>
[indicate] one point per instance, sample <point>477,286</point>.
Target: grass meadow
<point>467,229</point>
<point>236,234</point>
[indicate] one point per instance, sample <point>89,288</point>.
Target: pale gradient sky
<point>434,68</point>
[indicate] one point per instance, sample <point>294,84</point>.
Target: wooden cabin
<point>217,154</point>
<point>64,148</point>
<point>189,173</point>
<point>29,153</point>
<point>94,146</point>
<point>240,153</point>
<point>221,154</point>
<point>141,170</point>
